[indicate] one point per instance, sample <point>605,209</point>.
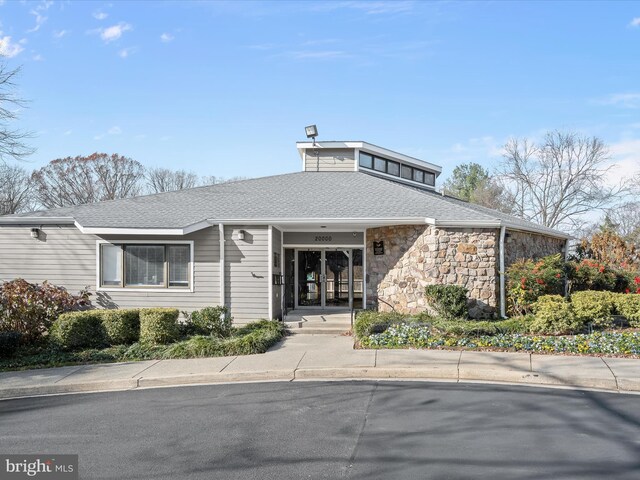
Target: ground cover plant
<point>96,336</point>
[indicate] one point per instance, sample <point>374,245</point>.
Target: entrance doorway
<point>324,278</point>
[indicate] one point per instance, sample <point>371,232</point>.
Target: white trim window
<point>145,265</point>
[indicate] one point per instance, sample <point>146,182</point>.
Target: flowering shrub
<point>593,275</point>
<point>420,336</point>
<point>527,280</point>
<point>31,308</point>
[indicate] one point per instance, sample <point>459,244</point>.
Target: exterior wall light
<point>311,131</point>
<point>35,233</point>
<point>241,235</point>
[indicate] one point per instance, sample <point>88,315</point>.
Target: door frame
<point>323,289</point>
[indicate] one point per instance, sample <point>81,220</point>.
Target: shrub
<point>527,280</point>
<point>9,343</point>
<point>122,326</point>
<point>554,316</point>
<point>448,301</point>
<point>628,305</point>
<point>368,322</point>
<point>79,330</point>
<point>209,321</point>
<point>159,325</point>
<point>31,309</point>
<point>592,275</point>
<point>593,307</point>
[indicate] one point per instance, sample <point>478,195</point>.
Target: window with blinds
<point>139,265</point>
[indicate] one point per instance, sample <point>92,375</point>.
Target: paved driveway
<point>391,430</point>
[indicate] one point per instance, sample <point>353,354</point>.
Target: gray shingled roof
<point>295,196</point>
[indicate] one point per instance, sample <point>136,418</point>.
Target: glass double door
<point>329,278</point>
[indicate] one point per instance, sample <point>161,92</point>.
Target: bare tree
<point>12,141</point>
<point>558,180</point>
<point>624,219</point>
<point>213,180</point>
<point>15,190</point>
<point>80,180</point>
<point>164,180</point>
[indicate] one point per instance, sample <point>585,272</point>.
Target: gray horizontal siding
<point>247,272</point>
<point>64,256</point>
<point>330,160</point>
<point>276,293</point>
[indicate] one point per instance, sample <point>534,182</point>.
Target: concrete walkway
<point>322,357</point>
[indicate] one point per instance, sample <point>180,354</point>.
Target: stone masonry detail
<point>520,245</point>
<point>417,255</point>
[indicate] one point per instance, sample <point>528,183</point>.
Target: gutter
<point>36,220</point>
<point>501,271</point>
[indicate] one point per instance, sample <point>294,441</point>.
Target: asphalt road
<point>391,430</point>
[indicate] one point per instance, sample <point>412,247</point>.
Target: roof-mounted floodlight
<point>311,131</point>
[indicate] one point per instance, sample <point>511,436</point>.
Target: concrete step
<point>317,331</point>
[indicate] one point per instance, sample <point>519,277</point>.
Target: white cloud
<point>68,132</point>
<point>166,37</point>
<point>624,100</point>
<point>38,58</point>
<point>635,22</point>
<point>381,7</point>
<point>98,15</point>
<point>126,52</point>
<point>478,148</point>
<point>8,48</point>
<point>319,54</point>
<point>115,130</point>
<point>37,12</point>
<point>114,32</point>
<point>625,158</point>
<point>60,33</point>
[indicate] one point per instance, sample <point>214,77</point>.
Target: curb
<point>447,374</point>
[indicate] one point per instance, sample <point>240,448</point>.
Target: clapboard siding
<point>246,272</point>
<point>276,293</point>
<point>330,160</point>
<point>67,257</point>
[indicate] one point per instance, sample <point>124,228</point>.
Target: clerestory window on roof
<point>136,265</point>
<point>396,169</point>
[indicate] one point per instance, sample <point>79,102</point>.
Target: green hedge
<point>628,305</point>
<point>448,301</point>
<point>214,321</point>
<point>593,307</point>
<point>554,316</point>
<point>122,326</point>
<point>159,325</point>
<point>79,330</point>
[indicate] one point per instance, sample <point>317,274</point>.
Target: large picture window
<point>145,265</point>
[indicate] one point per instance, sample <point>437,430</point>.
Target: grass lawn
<point>256,337</point>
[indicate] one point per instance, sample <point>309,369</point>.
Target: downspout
<point>222,262</point>
<point>566,259</point>
<point>503,296</point>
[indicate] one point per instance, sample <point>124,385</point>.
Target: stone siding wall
<point>520,245</point>
<point>417,255</point>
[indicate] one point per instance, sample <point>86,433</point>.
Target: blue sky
<point>226,88</point>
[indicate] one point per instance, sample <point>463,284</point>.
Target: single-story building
<point>360,226</point>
